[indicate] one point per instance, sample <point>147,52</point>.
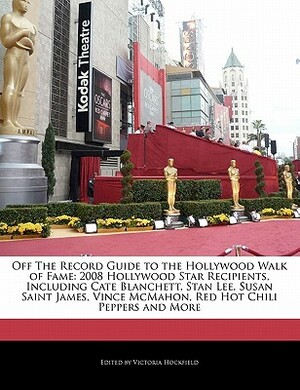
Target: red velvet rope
<point>293,252</point>
<point>226,252</point>
<point>252,251</point>
<point>246,249</point>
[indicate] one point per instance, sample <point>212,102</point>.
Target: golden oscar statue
<point>289,182</point>
<point>18,37</point>
<point>170,173</point>
<point>234,175</point>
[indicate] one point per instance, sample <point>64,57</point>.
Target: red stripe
<point>150,330</point>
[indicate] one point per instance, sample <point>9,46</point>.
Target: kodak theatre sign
<point>84,78</point>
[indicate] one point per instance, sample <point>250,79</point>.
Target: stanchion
<point>238,250</point>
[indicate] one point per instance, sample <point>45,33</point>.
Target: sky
<point>265,36</point>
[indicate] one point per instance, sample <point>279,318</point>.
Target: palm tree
<point>259,136</point>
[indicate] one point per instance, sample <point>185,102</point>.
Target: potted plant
<point>61,221</point>
<point>4,233</point>
<point>77,224</point>
<point>268,213</point>
<point>29,229</point>
<point>285,213</point>
<point>134,223</point>
<point>218,219</point>
<point>110,225</point>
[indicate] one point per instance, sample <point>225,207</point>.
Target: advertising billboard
<point>101,107</point>
<point>150,100</point>
<point>189,45</point>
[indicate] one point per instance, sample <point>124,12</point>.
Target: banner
<point>101,114</point>
<point>83,68</point>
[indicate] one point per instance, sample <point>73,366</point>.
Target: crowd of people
<point>201,132</point>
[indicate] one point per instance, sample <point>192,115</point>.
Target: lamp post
<point>273,147</point>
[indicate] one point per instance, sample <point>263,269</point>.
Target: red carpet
<point>268,238</point>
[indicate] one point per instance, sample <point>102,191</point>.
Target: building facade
<point>296,148</point>
<point>191,102</point>
<point>236,85</point>
<point>51,93</point>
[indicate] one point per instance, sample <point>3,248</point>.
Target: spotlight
<point>191,221</point>
<point>233,220</point>
<point>168,222</point>
<point>90,227</point>
<point>236,216</point>
<point>255,216</point>
<point>202,222</point>
<point>159,224</point>
<point>297,213</point>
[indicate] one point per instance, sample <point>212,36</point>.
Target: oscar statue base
<point>239,214</point>
<point>20,131</point>
<point>172,219</point>
<point>22,180</point>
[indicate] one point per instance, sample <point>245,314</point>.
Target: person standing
<point>207,134</point>
<point>149,128</point>
<point>256,150</point>
<point>171,125</point>
<point>140,130</point>
<point>170,173</point>
<point>91,187</point>
<point>199,132</point>
<point>234,175</point>
<point>18,36</point>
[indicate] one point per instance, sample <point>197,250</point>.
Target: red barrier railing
<point>238,250</point>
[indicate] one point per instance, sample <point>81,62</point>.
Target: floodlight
<point>202,222</point>
<point>191,221</point>
<point>159,224</point>
<point>90,227</point>
<point>232,220</point>
<point>255,216</point>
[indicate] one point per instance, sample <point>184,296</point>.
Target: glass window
<point>176,92</point>
<point>196,113</point>
<point>175,85</point>
<point>176,114</point>
<point>185,83</point>
<point>176,103</point>
<point>195,102</point>
<point>186,102</point>
<point>59,93</point>
<point>195,91</point>
<point>195,83</point>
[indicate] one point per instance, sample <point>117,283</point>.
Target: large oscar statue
<point>234,175</point>
<point>171,214</point>
<point>289,182</point>
<point>22,180</point>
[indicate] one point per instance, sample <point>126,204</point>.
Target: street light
<point>273,147</point>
